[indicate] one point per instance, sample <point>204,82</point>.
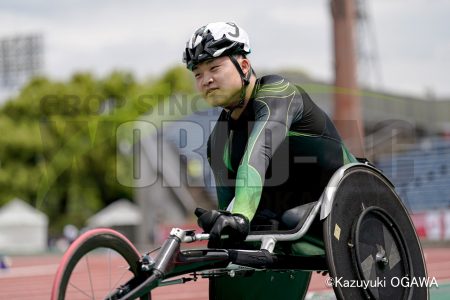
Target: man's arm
<point>277,104</point>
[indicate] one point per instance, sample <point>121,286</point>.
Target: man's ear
<point>245,65</point>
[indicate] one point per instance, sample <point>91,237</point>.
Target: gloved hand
<point>216,223</point>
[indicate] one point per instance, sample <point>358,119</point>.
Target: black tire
<point>369,238</point>
<point>92,245</point>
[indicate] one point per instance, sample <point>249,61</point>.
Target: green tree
<point>59,145</point>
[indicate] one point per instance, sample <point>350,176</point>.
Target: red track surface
<point>32,277</point>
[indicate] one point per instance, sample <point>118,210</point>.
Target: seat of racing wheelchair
<point>291,220</point>
<point>297,215</point>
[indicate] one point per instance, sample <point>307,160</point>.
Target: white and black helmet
<point>215,40</point>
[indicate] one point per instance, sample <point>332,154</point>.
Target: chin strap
<point>245,82</point>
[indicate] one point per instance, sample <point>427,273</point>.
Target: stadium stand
<point>421,175</point>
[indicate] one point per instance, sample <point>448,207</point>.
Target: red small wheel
<point>95,266</point>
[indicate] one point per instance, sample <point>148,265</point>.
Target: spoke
<point>90,278</point>
<point>388,240</point>
<point>120,279</point>
<point>109,272</point>
<point>80,290</point>
<point>394,256</point>
<point>368,267</point>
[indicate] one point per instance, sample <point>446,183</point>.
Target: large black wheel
<point>95,266</point>
<point>372,248</point>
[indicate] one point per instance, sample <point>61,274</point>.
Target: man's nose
<point>207,80</point>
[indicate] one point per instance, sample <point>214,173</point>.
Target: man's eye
<point>197,75</point>
<point>214,68</point>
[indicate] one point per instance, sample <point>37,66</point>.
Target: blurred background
<point>101,125</point>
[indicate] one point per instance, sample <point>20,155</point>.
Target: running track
<point>31,277</point>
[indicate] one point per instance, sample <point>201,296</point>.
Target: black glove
<point>217,223</point>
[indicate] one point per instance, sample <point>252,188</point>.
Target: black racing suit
<point>279,154</point>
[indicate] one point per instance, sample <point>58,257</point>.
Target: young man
<point>272,148</point>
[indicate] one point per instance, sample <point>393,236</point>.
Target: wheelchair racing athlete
<point>272,147</point>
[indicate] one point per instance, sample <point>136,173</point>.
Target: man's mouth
<point>210,91</point>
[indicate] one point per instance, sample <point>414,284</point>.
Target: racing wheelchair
<point>366,236</point>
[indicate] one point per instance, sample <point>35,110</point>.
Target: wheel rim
<point>380,254</point>
<point>96,264</point>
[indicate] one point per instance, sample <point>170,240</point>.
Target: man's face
<point>218,80</point>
